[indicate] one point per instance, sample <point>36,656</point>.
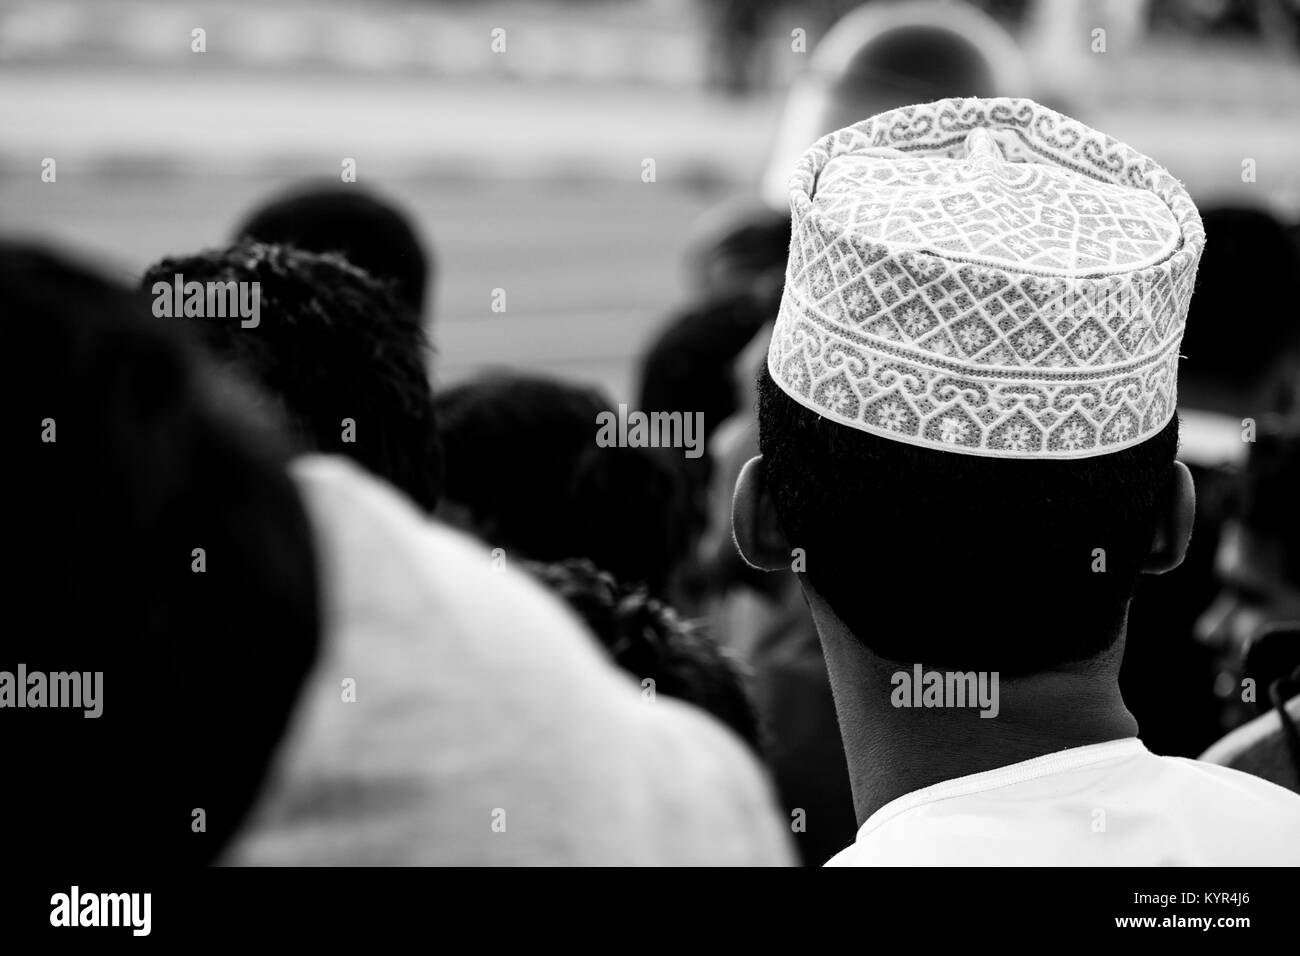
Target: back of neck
<point>894,748</point>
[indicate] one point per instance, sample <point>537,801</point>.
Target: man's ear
<point>1174,527</point>
<point>754,523</point>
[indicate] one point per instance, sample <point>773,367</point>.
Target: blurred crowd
<point>347,616</point>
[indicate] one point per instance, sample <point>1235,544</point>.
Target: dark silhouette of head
<point>369,232</point>
<point>525,473</point>
<point>880,56</point>
<point>334,347</point>
<point>739,247</point>
<point>688,367</point>
<point>155,538</point>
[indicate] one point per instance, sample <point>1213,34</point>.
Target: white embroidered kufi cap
<point>986,277</point>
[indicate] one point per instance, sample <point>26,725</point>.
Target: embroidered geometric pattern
<point>987,277</point>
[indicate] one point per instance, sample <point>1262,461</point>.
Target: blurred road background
<point>524,167</point>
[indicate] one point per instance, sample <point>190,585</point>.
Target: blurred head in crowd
<point>1242,346</point>
<point>1258,561</point>
<point>688,367</point>
<point>370,233</point>
<point>649,641</point>
<point>875,58</point>
<point>738,247</point>
<point>884,55</point>
<point>525,473</point>
<point>155,538</point>
<point>334,347</point>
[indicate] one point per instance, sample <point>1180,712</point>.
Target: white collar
<point>1071,758</point>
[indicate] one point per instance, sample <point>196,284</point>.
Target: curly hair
<point>649,640</point>
<point>332,343</point>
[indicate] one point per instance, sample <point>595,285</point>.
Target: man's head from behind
<point>966,420</point>
<point>370,233</point>
<point>333,346</point>
<point>960,561</point>
<point>155,539</point>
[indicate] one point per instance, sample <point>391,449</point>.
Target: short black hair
<point>960,561</point>
<point>127,453</point>
<point>369,232</point>
<point>648,639</point>
<point>522,458</point>
<point>331,344</point>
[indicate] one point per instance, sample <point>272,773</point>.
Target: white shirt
<point>458,714</point>
<point>1110,804</point>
